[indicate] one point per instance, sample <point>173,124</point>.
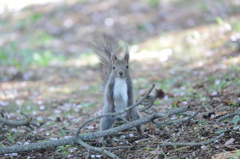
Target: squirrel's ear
<point>114,58</point>
<point>126,56</point>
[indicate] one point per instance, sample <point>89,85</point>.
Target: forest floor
<point>190,49</point>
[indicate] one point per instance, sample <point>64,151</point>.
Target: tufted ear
<point>114,58</point>
<point>126,57</point>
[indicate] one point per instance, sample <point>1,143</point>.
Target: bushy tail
<point>104,47</point>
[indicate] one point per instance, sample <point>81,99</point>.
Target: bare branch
<point>226,116</point>
<point>37,146</point>
<point>113,114</point>
<point>101,150</point>
<point>87,157</point>
<point>193,144</point>
<point>118,147</point>
<point>150,104</point>
<point>27,122</point>
<point>24,115</point>
<point>90,136</point>
<point>178,121</point>
<point>135,123</point>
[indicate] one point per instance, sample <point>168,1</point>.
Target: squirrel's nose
<point>120,73</point>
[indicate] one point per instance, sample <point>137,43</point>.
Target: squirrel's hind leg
<point>135,115</point>
<point>105,123</point>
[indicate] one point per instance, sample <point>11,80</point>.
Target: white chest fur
<point>120,94</point>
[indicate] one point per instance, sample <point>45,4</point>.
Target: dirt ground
<point>189,48</point>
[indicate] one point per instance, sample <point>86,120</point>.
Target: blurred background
<point>188,48</point>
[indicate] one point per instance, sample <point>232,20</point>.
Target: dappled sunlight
<point>14,6</point>
<point>190,49</point>
<point>83,60</point>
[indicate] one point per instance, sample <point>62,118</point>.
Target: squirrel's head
<point>120,68</point>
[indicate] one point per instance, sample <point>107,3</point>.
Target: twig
<point>113,114</point>
<point>91,148</point>
<point>178,121</point>
<point>26,122</point>
<point>24,115</point>
<point>118,147</point>
<point>161,127</point>
<point>87,157</point>
<point>193,144</point>
<point>150,104</point>
<point>91,136</point>
<point>150,100</point>
<point>226,116</point>
<point>135,123</point>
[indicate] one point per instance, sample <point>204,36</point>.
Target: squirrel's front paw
<point>101,142</point>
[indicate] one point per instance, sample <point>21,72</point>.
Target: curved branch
<point>91,136</point>
<point>193,144</point>
<point>178,121</point>
<point>90,148</point>
<point>226,116</point>
<point>113,114</point>
<point>26,122</point>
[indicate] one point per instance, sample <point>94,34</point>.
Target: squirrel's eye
<point>113,67</point>
<point>127,66</point>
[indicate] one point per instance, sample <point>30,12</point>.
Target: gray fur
<point>115,72</point>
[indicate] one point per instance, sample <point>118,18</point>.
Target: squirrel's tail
<point>104,47</point>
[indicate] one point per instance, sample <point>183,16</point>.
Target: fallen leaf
<point>160,93</point>
<point>228,102</point>
<point>220,114</point>
<point>230,141</point>
<point>150,126</point>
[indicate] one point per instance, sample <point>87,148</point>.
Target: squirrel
<point>117,82</point>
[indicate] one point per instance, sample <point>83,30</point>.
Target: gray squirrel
<point>117,82</point>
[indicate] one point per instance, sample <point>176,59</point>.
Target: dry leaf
<point>150,126</point>
<point>160,93</point>
<point>225,155</point>
<point>230,141</point>
<point>220,114</point>
<point>228,102</point>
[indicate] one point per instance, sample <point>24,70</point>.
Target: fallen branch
<point>118,147</point>
<point>91,136</point>
<point>178,121</point>
<point>79,139</point>
<point>113,114</point>
<point>158,94</point>
<point>193,144</point>
<point>90,148</point>
<point>226,116</point>
<point>27,122</point>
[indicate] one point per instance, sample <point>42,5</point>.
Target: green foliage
<point>235,120</point>
<point>237,155</point>
<point>152,3</point>
<point>23,58</point>
<point>219,20</point>
<point>88,105</point>
<point>156,102</point>
<point>175,106</point>
<point>35,17</point>
<point>149,148</point>
<point>236,26</point>
<point>164,154</point>
<point>209,151</point>
<point>44,58</point>
<point>63,132</point>
<point>63,149</point>
<point>220,131</point>
<point>11,136</point>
